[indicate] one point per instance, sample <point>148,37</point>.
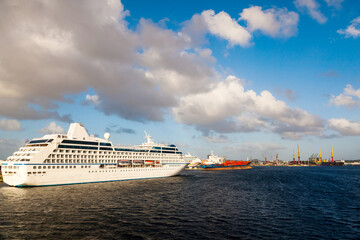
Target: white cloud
<point>77,50</point>
<point>353,30</point>
<point>345,127</point>
<point>94,99</point>
<point>272,22</point>
<point>227,107</point>
<point>349,98</point>
<point>52,128</point>
<point>312,7</point>
<point>10,124</point>
<point>137,75</point>
<point>224,26</point>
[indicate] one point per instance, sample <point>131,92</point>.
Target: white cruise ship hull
<point>25,176</point>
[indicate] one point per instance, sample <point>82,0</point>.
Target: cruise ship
<point>77,157</point>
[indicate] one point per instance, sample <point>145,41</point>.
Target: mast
<point>320,158</point>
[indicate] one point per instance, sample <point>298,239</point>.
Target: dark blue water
<point>261,203</point>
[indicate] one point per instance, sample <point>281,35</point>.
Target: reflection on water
<point>275,203</point>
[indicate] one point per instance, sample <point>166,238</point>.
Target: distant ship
<point>76,157</point>
<point>214,162</point>
<point>332,163</point>
<point>194,162</point>
<point>213,159</point>
<point>228,165</point>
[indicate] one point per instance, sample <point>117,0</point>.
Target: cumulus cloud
<point>353,30</point>
<point>140,75</point>
<point>312,7</point>
<point>72,49</point>
<point>10,124</point>
<point>344,126</point>
<point>272,22</point>
<point>227,107</point>
<point>224,26</point>
<point>52,128</point>
<point>349,98</point>
<point>137,75</point>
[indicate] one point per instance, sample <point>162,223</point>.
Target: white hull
<point>91,174</point>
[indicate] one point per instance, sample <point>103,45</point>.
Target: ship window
<point>38,141</point>
<point>34,167</point>
<point>62,166</point>
<point>105,144</point>
<point>53,166</point>
<point>80,142</point>
<point>57,166</point>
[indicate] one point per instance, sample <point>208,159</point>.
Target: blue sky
<point>242,78</point>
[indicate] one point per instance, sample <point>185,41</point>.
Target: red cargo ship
<point>228,165</point>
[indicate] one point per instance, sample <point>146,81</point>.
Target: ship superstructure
<point>77,157</point>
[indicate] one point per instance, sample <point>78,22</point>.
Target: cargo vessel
<point>332,163</point>
<point>228,165</point>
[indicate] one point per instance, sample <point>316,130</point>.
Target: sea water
<point>260,203</point>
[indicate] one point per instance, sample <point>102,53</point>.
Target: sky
<point>241,78</point>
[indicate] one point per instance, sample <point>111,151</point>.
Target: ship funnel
<point>77,131</point>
